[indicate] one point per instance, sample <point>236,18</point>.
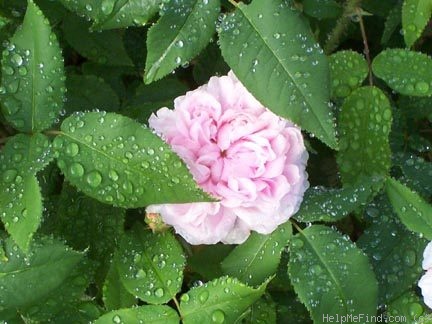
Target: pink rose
<point>425,282</point>
<point>238,151</point>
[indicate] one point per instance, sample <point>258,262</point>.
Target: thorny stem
<point>366,46</point>
<point>341,26</point>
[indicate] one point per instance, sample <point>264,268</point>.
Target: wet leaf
<point>118,161</point>
<point>222,300</point>
<point>330,275</point>
<point>405,71</point>
<point>32,89</point>
<point>110,14</point>
<point>364,124</point>
<point>415,16</point>
<point>184,29</point>
<point>413,211</point>
<point>258,258</point>
<point>150,265</point>
<point>272,51</point>
<point>143,314</point>
<point>348,70</point>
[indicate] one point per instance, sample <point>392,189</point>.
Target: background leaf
<point>86,224</point>
<point>19,272</point>
<point>184,29</point>
<point>88,92</point>
<point>330,205</point>
<point>394,252</point>
<point>331,275</point>
<point>21,200</point>
<point>406,72</point>
<point>348,70</point>
<point>273,53</point>
<point>151,265</point>
<point>118,161</point>
<point>364,122</point>
<point>104,47</point>
<point>32,75</point>
<point>218,301</point>
<point>257,259</point>
<point>115,295</point>
<point>413,211</point>
<point>415,16</point>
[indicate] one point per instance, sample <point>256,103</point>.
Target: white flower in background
<point>425,282</point>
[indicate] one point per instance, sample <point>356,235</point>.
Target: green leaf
<point>258,258</point>
<point>44,269</point>
<point>413,211</point>
<point>222,300</point>
<point>118,161</point>
<point>364,124</point>
<point>104,47</point>
<point>20,198</point>
<point>25,154</point>
<point>21,209</point>
<point>410,307</point>
<point>394,252</point>
<point>330,205</point>
<point>32,75</point>
<point>416,107</point>
<point>348,70</point>
<point>151,265</point>
<point>88,92</point>
<point>331,275</point>
<point>393,20</point>
<point>115,294</point>
<point>263,311</point>
<point>198,262</point>
<point>148,314</point>
<point>417,172</point>
<point>322,9</point>
<point>405,71</point>
<point>272,51</point>
<point>111,14</point>
<point>184,29</point>
<point>86,224</point>
<point>415,16</point>
<point>149,98</point>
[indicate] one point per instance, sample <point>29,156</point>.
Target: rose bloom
<point>425,282</point>
<point>240,152</point>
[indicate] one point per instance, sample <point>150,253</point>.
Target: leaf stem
<point>342,24</point>
<point>53,132</point>
<point>365,43</point>
<point>177,304</point>
<point>235,4</point>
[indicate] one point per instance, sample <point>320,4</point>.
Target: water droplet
<point>72,149</point>
<point>203,296</point>
<point>116,319</point>
<point>76,170</point>
<point>218,316</point>
<point>422,87</point>
<point>159,292</point>
<point>94,179</point>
